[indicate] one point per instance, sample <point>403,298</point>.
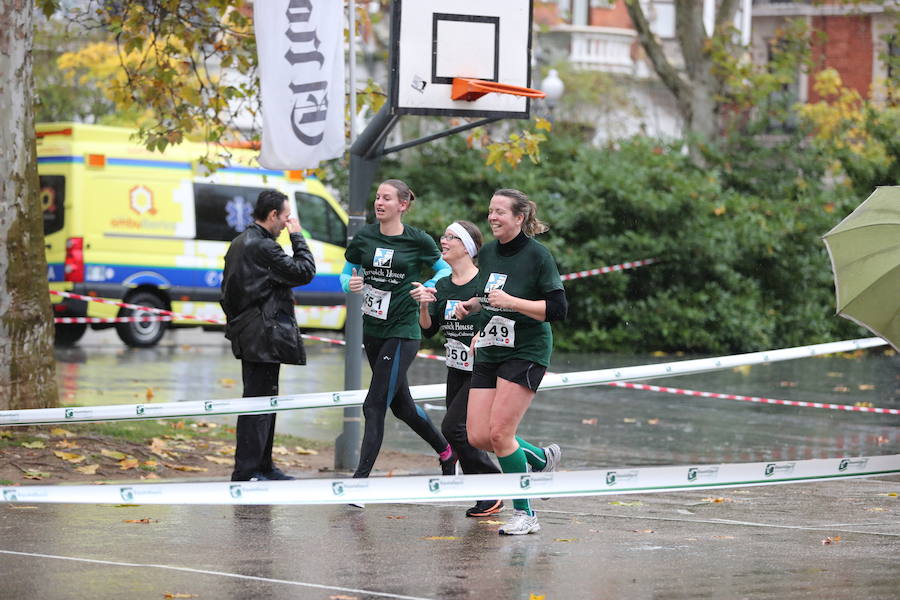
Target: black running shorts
<point>524,372</point>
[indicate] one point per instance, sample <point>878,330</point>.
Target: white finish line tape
<point>267,404</point>
<point>627,480</point>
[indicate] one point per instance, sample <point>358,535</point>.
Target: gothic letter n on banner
<point>301,69</point>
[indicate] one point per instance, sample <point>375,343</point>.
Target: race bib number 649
<point>499,331</point>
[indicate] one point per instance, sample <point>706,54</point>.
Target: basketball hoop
<point>466,88</point>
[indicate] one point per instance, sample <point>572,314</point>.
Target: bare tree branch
<point>667,73</point>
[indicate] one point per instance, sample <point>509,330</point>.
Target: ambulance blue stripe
<point>60,159</point>
<point>176,276</point>
<point>252,171</point>
<point>155,164</point>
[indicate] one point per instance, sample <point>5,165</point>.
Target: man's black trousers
<point>255,433</point>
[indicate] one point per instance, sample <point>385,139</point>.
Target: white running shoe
<point>356,504</point>
<point>521,524</point>
<point>553,454</point>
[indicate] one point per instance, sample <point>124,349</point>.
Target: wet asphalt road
<point>760,542</point>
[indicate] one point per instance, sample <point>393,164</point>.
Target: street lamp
<point>553,86</point>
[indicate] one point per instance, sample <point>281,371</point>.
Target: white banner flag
<point>301,69</point>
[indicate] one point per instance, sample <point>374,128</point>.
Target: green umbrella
<point>865,257</point>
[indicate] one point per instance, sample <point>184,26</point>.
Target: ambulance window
<point>223,211</point>
<point>320,220</point>
<point>53,199</point>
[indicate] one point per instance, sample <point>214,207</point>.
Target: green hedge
<point>743,265</point>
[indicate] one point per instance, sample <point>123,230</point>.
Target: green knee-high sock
<point>533,454</point>
<point>516,463</point>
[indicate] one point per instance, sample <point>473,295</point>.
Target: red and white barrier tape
<point>70,320</point>
<point>610,269</point>
<point>150,309</point>
<point>756,399</point>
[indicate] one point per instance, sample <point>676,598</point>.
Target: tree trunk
<point>27,364</point>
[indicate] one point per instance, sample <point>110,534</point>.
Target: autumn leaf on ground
<point>66,444</point>
<point>717,500</point>
<point>128,463</point>
<point>723,537</point>
<point>834,374</point>
<point>629,420</point>
<point>34,444</point>
<point>158,447</point>
<point>589,421</point>
<point>144,521</point>
<point>536,597</point>
<point>149,394</point>
<point>177,595</point>
<point>652,421</point>
<point>566,540</point>
<point>60,431</point>
<point>441,537</point>
<point>281,450</point>
<point>876,509</point>
<point>866,386</point>
<point>635,503</point>
<point>113,454</point>
<point>186,468</point>
<point>840,388</point>
<point>743,369</point>
<point>88,469</point>
<point>397,517</point>
<point>863,404</point>
<point>490,522</point>
<point>788,384</point>
<point>302,450</point>
<point>893,494</point>
<point>643,531</point>
<point>227,451</point>
<point>219,460</point>
<point>69,457</point>
<point>29,474</point>
<point>227,383</point>
<point>831,540</point>
<point>150,476</point>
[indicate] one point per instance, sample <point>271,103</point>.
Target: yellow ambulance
<point>152,229</point>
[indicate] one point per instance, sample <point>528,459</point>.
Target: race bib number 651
<point>375,302</point>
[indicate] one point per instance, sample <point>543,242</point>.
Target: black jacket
<point>257,298</point>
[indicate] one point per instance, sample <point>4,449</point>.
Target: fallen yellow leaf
<point>66,444</point>
<point>35,474</point>
<point>866,386</point>
<point>619,503</point>
<point>35,444</point>
<point>593,421</point>
<point>840,388</point>
<point>490,522</point>
<point>128,463</point>
<point>717,500</point>
<point>88,469</point>
<point>226,382</point>
<point>219,460</point>
<point>280,450</point>
<point>186,468</point>
<point>565,539</point>
<point>302,450</point>
<point>149,394</point>
<point>69,457</point>
<point>652,421</point>
<point>113,454</point>
<point>536,597</point>
<point>140,521</point>
<point>643,531</point>
<point>743,369</point>
<point>60,431</point>
<point>629,420</point>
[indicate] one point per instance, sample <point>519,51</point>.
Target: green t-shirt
<point>390,264</point>
<point>457,333</point>
<point>530,274</point>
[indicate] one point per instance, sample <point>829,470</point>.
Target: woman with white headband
<point>519,293</point>
<point>459,247</point>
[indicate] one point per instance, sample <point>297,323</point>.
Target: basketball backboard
<point>434,41</point>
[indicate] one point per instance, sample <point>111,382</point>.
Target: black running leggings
<point>390,359</point>
<point>471,459</point>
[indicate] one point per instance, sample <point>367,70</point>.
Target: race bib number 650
<point>458,355</point>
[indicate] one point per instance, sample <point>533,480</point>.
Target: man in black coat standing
<point>259,310</point>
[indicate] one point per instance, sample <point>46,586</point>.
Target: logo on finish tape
<point>127,494</point>
<point>235,490</point>
<point>70,412</point>
<point>434,485</point>
<point>773,468</point>
<point>208,405</point>
<point>139,409</point>
<point>614,477</point>
<point>856,464</point>
<point>702,474</point>
<point>10,496</point>
<point>339,487</point>
<point>273,402</point>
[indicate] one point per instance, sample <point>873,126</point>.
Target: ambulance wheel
<point>68,335</point>
<point>141,334</point>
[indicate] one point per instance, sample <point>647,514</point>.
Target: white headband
<point>466,239</point>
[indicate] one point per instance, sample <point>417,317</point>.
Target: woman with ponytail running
<point>520,293</point>
<point>383,260</point>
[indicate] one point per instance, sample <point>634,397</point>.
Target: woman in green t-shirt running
<point>383,260</point>
<point>519,293</point>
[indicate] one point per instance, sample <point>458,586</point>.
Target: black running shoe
<point>448,467</point>
<point>277,474</point>
<point>485,508</point>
